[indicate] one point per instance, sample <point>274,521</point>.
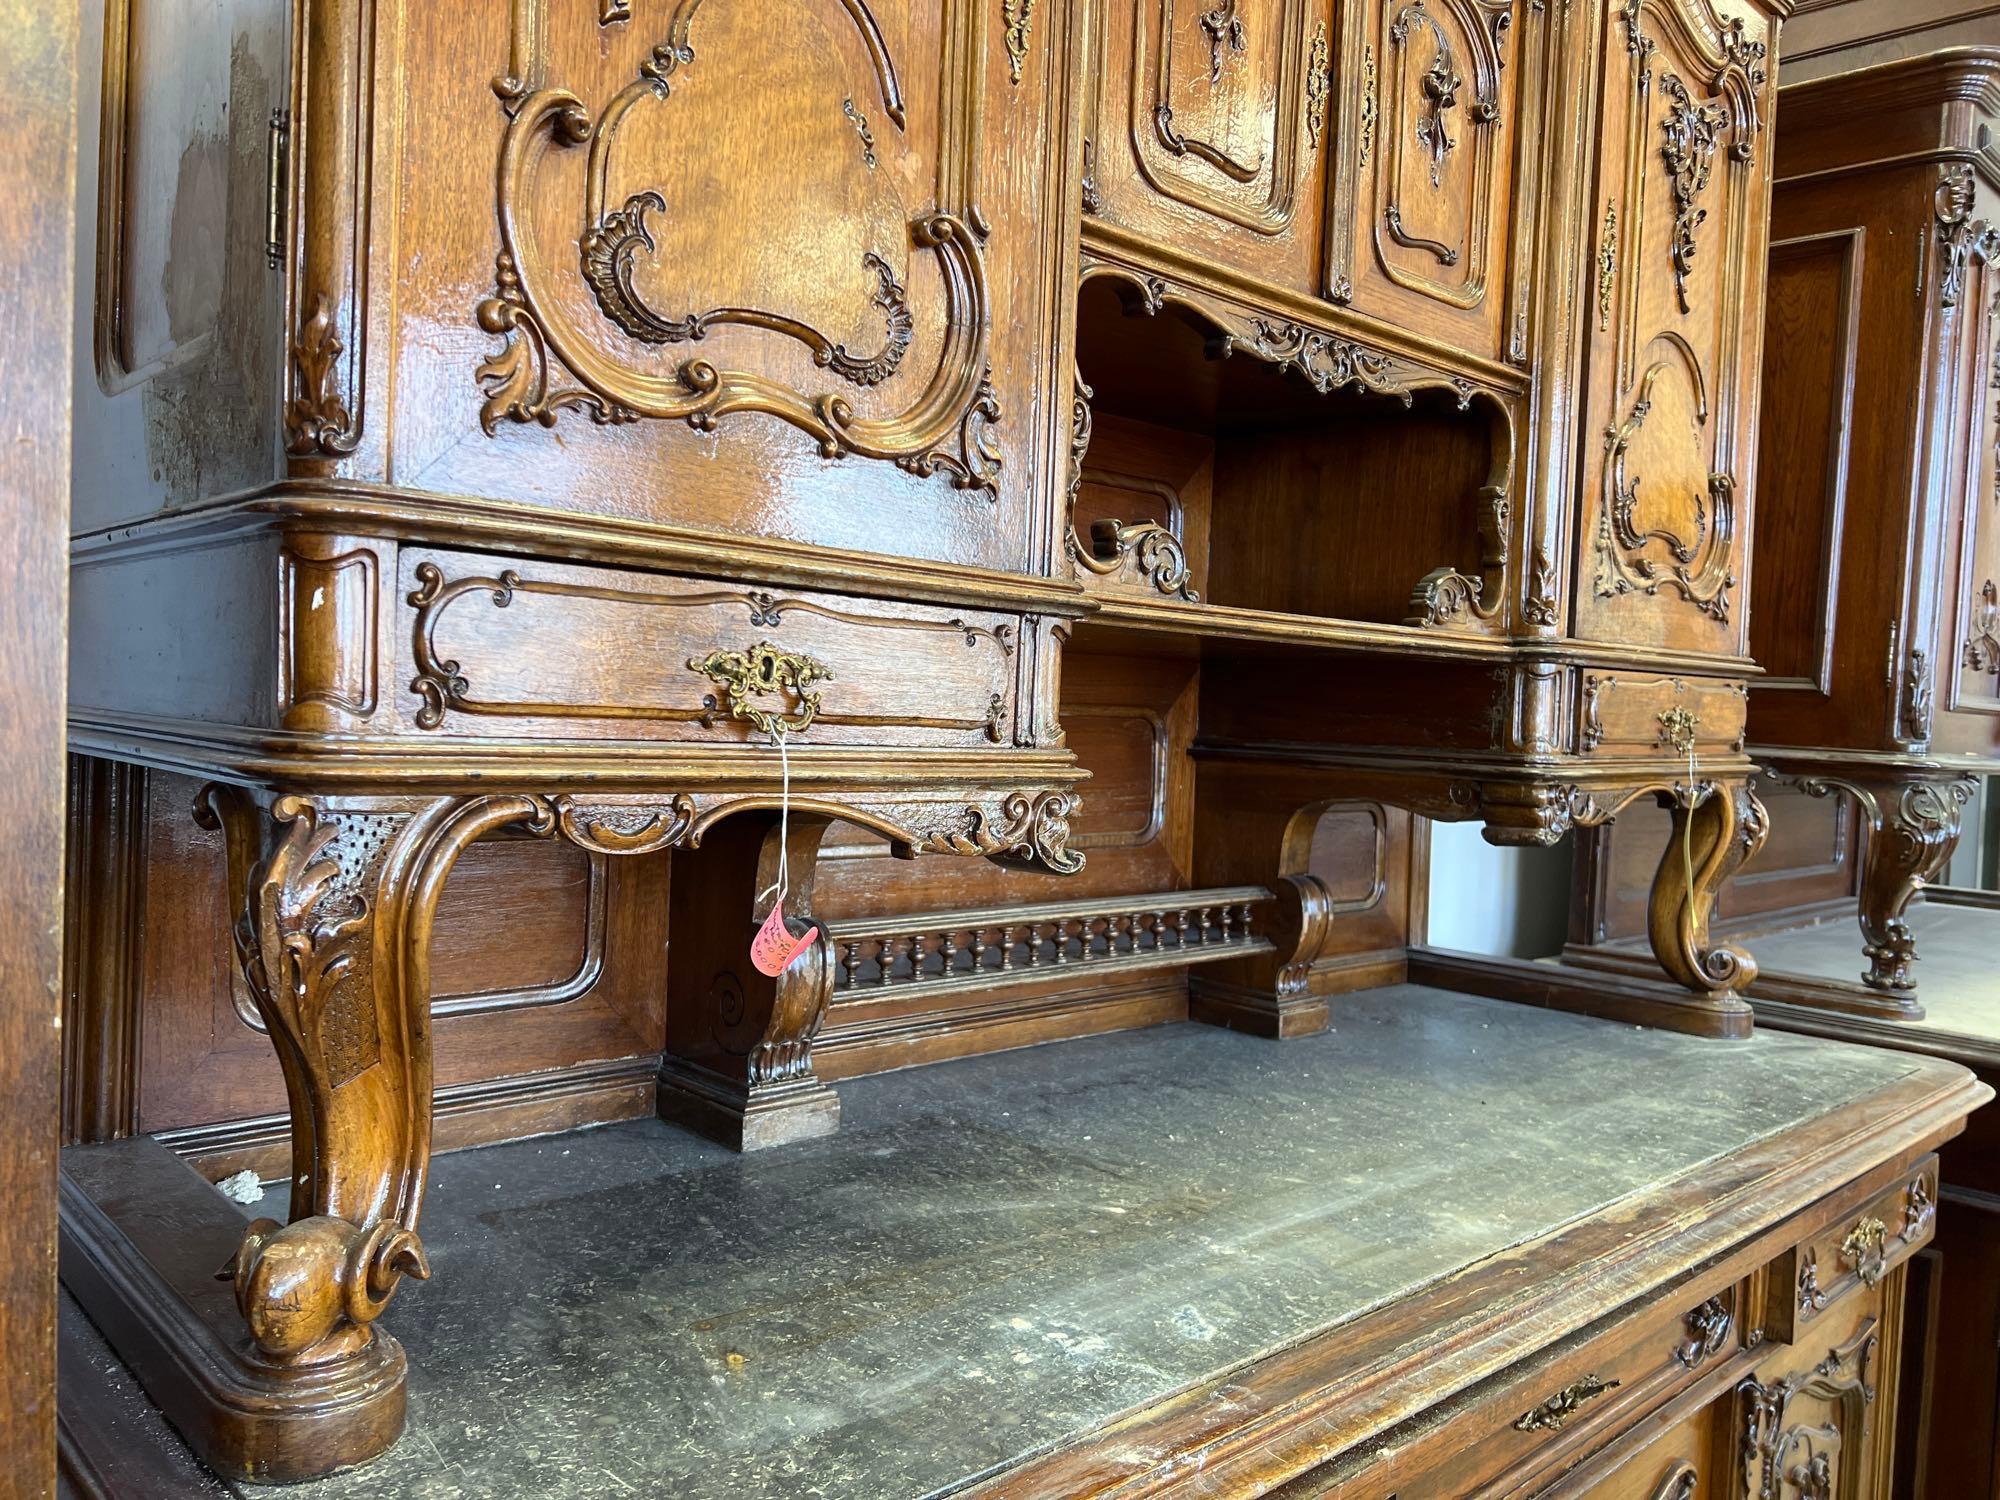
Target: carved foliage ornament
<point>1226,33</point>
<point>1692,131</point>
<point>1149,549</point>
<point>944,425</point>
<point>1018,17</point>
<point>1441,83</point>
<point>316,418</point>
<point>1708,1329</point>
<point>1553,1413</point>
<point>1319,82</point>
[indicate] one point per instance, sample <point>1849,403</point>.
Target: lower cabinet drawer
<point>1857,1250</point>
<point>1639,715</point>
<point>1502,1437</point>
<point>501,646</point>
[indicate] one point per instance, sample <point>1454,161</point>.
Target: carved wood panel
<point>660,261</point>
<point>1674,359</point>
<point>1208,126</point>
<point>1421,217</point>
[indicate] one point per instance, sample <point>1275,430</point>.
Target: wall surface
<point>1837,36</point>
<point>1513,902</point>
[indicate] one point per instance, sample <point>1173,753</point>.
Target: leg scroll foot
<point>1913,828</point>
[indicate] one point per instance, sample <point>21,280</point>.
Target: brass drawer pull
<point>1863,1249</point>
<point>1559,1408</point>
<point>763,671</point>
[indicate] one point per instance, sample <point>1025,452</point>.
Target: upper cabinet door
<point>1421,228</point>
<point>1967,375</point>
<point>1209,128</point>
<point>1675,313</point>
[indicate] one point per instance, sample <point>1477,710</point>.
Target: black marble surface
<point>996,1254</point>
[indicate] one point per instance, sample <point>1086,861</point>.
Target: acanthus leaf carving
<point>1693,132</point>
<point>1540,608</point>
<point>317,419</point>
<point>1319,82</point>
<point>1956,232</point>
<point>1031,829</point>
<point>1152,551</point>
<point>1018,19</point>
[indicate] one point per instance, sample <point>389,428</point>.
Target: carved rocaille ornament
<point>944,419</point>
<point>1708,1328</point>
<point>1778,1453</point>
<point>1146,549</point>
<point>1982,640</point>
<point>1319,83</point>
<point>1698,566</point>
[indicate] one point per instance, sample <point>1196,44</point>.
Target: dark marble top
<point>995,1255</point>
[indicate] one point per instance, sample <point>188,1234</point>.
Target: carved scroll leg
<point>336,901</point>
<point>1912,831</point>
<point>739,1043</point>
<point>1711,841</point>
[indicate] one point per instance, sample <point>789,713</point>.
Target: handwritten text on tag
<point>774,950</point>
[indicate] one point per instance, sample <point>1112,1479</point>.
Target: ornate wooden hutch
<point>534,445</point>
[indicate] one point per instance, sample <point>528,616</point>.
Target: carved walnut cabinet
<point>1879,630</point>
<point>689,425</point>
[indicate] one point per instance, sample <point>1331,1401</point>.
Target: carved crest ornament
<point>919,397</point>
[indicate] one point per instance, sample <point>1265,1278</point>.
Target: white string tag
<point>775,948</point>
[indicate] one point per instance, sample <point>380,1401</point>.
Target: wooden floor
<point>997,1256</point>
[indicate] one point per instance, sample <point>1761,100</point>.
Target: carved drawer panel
<point>1208,128</point>
<point>1422,230</point>
<point>1632,714</point>
<point>1675,316</point>
<point>501,646</point>
<point>1501,1438</point>
<point>1858,1250</point>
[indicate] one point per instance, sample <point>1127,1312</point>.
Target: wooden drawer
<point>1496,1439</point>
<point>1856,1250</point>
<point>498,645</point>
<point>1638,715</point>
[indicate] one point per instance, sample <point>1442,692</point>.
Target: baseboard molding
<point>462,1115</point>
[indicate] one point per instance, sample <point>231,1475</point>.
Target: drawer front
<point>1504,1439</point>
<point>494,645</point>
<point>1855,1252</point>
<point>1637,715</point>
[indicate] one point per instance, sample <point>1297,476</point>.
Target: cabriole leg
<point>335,902</point>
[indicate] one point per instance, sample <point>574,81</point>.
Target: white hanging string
<point>1687,828</point>
<point>783,883</point>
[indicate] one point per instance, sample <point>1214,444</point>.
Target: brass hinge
<point>278,149</point>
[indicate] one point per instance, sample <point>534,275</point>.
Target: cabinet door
<point>1818,1419</point>
<point>1209,127</point>
<point>1421,218</point>
<point>1968,373</point>
<point>1675,313</point>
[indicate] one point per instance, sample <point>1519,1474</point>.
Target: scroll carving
<point>1697,566</point>
<point>1693,132</point>
<point>1369,107</point>
<point>316,418</point>
<point>1441,84</point>
<point>1147,548</point>
<point>941,426</point>
<point>1607,265</point>
<point>1956,231</point>
<point>1919,1211</point>
<point>1778,1452</point>
<point>1226,33</point>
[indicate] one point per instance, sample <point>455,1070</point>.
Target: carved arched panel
<point>1218,105</point>
<point>1675,309</point>
<point>1440,117</point>
<point>661,259</point>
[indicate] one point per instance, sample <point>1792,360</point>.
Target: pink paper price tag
<point>774,950</point>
